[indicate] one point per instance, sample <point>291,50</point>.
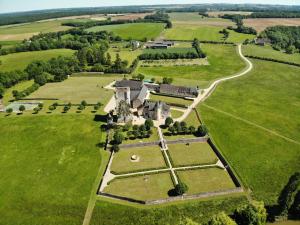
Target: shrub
<point>36,109</point>
<point>149,124</point>
<point>22,108</point>
<point>221,219</point>
<point>168,121</point>
<point>52,107</point>
<point>115,148</point>
<point>254,213</point>
<point>202,130</point>
<point>81,107</point>
<point>84,103</point>
<point>66,108</point>
<point>118,137</point>
<point>181,188</point>
<point>41,105</point>
<point>9,110</point>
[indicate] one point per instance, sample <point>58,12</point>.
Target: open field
<point>260,24</point>
<point>203,33</point>
<point>149,158</point>
<point>130,16</point>
<point>223,61</point>
<point>76,89</point>
<point>174,62</point>
<point>145,187</point>
<point>269,52</point>
<point>19,61</point>
<point>171,100</point>
<point>125,53</point>
<point>24,31</point>
<point>222,13</point>
<point>46,168</point>
<point>206,180</point>
<point>255,122</point>
<point>192,154</point>
<point>137,31</point>
<point>199,211</point>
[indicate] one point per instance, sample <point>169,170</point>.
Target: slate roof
<point>132,84</point>
<point>178,90</point>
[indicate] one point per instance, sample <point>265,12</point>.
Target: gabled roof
<point>132,84</point>
<point>177,90</point>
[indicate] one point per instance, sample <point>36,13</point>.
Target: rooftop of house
<point>181,90</point>
<point>132,84</point>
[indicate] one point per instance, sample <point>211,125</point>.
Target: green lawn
<point>150,157</point>
<point>223,61</point>
<point>8,97</point>
<point>246,117</point>
<point>152,138</point>
<point>176,113</point>
<point>109,212</point>
<point>19,61</point>
<point>26,30</point>
<point>145,187</point>
<point>206,180</point>
<point>137,31</point>
<point>47,171</point>
<point>269,52</point>
<point>192,154</point>
<point>192,119</point>
<point>76,89</point>
<point>171,100</point>
<point>125,53</point>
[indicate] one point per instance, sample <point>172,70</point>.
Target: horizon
<point>12,6</point>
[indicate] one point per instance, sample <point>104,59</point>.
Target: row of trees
<point>283,38</point>
<point>168,55</point>
<point>9,79</point>
<point>196,45</point>
<point>240,28</point>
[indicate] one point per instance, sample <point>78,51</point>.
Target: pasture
<point>76,89</point>
<point>136,31</point>
<point>148,158</point>
<point>206,180</point>
<point>144,187</point>
<point>269,52</point>
<point>27,30</point>
<point>192,154</point>
<point>261,24</point>
<point>46,168</point>
<point>254,120</point>
<point>20,60</point>
<point>223,61</point>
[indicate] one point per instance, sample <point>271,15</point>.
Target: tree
<point>167,80</point>
<point>2,90</point>
<point>115,148</point>
<point>221,219</point>
<point>140,77</point>
<point>66,108</point>
<point>81,107</point>
<point>171,129</point>
<point>123,110</point>
<point>96,107</point>
<point>22,108</point>
<point>9,110</point>
<point>41,79</point>
<point>149,124</point>
<point>254,213</point>
<point>288,194</point>
<point>181,188</point>
<point>36,110</point>
<point>118,137</point>
<point>40,105</point>
<point>108,59</point>
<point>168,121</point>
<point>52,107</point>
<point>202,130</point>
<point>192,129</point>
<point>84,103</point>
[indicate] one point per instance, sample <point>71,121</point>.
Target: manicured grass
<point>206,180</point>
<point>176,113</point>
<point>137,31</point>
<point>203,32</point>
<point>223,61</point>
<point>19,61</point>
<point>269,52</point>
<point>267,98</point>
<point>192,119</point>
<point>171,100</point>
<point>76,89</point>
<point>145,187</point>
<point>150,157</point>
<point>8,97</point>
<point>23,31</point>
<point>47,169</point>
<point>125,54</point>
<point>192,154</point>
<point>152,138</point>
<point>107,212</point>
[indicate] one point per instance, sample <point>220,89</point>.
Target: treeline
<point>283,38</point>
<point>168,55</point>
<point>76,39</point>
<point>238,20</point>
<point>273,60</point>
<point>274,14</point>
<point>196,45</point>
<point>9,79</point>
<point>158,17</point>
<point>26,17</point>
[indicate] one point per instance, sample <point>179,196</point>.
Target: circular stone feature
<point>135,158</point>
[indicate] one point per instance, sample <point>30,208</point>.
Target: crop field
<point>46,168</point>
<point>19,61</point>
<point>145,187</point>
<point>76,89</point>
<point>203,33</point>
<point>148,158</point>
<point>252,132</point>
<point>130,16</point>
<point>137,31</point>
<point>222,13</point>
<point>171,100</point>
<point>27,30</point>
<point>192,154</point>
<point>269,52</point>
<point>223,61</point>
<point>206,180</point>
<point>260,24</point>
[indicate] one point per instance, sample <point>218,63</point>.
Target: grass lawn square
<point>152,138</point>
<point>192,154</point>
<point>176,113</point>
<point>149,157</point>
<point>206,180</point>
<point>192,119</point>
<point>146,187</point>
<point>76,89</point>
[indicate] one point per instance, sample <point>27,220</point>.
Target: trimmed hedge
<point>273,60</point>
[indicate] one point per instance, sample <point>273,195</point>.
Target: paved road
<point>207,92</point>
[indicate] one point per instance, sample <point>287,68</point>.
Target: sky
<point>27,5</point>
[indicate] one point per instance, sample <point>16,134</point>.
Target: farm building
<point>262,41</point>
<point>159,44</point>
<point>155,110</point>
<point>179,91</point>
